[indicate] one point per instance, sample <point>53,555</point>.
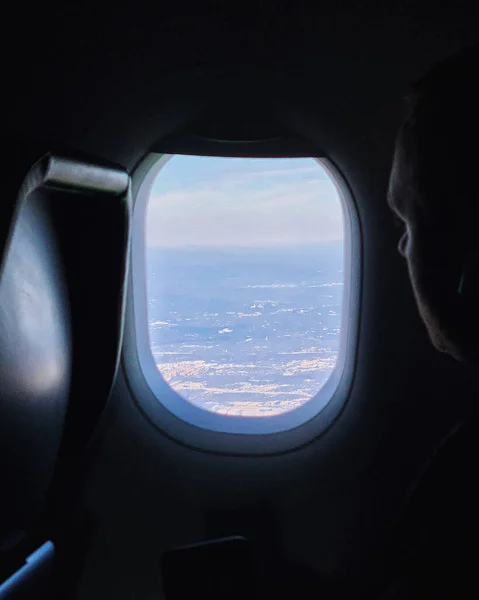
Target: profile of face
<point>431,243</point>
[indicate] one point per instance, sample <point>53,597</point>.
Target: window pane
<point>244,281</point>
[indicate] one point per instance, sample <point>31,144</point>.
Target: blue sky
<point>206,201</point>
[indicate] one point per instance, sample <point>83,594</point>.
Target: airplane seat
<point>435,548</point>
<point>52,298</point>
<point>35,356</point>
<point>93,225</point>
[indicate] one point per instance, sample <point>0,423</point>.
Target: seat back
<point>56,286</point>
<point>35,358</point>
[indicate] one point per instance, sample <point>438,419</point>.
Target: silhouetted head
<point>434,190</point>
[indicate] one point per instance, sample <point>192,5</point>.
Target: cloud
<point>274,174</point>
<point>235,196</point>
<point>246,208</point>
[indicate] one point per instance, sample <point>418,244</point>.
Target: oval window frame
<point>181,420</point>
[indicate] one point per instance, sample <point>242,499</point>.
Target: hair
<point>448,85</point>
<point>441,129</point>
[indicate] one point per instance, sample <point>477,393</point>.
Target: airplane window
<point>245,281</point>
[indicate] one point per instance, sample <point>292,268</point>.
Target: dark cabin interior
<point>81,462</point>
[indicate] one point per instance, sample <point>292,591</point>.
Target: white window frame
<point>175,416</point>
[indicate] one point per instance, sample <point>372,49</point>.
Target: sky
<point>210,201</point>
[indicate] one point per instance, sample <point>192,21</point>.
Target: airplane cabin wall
<point>329,506</point>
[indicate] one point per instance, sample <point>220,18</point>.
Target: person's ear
<point>468,284</point>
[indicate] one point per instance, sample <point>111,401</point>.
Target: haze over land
<point>237,327</point>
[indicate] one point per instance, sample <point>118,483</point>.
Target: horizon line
<point>243,246</point>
